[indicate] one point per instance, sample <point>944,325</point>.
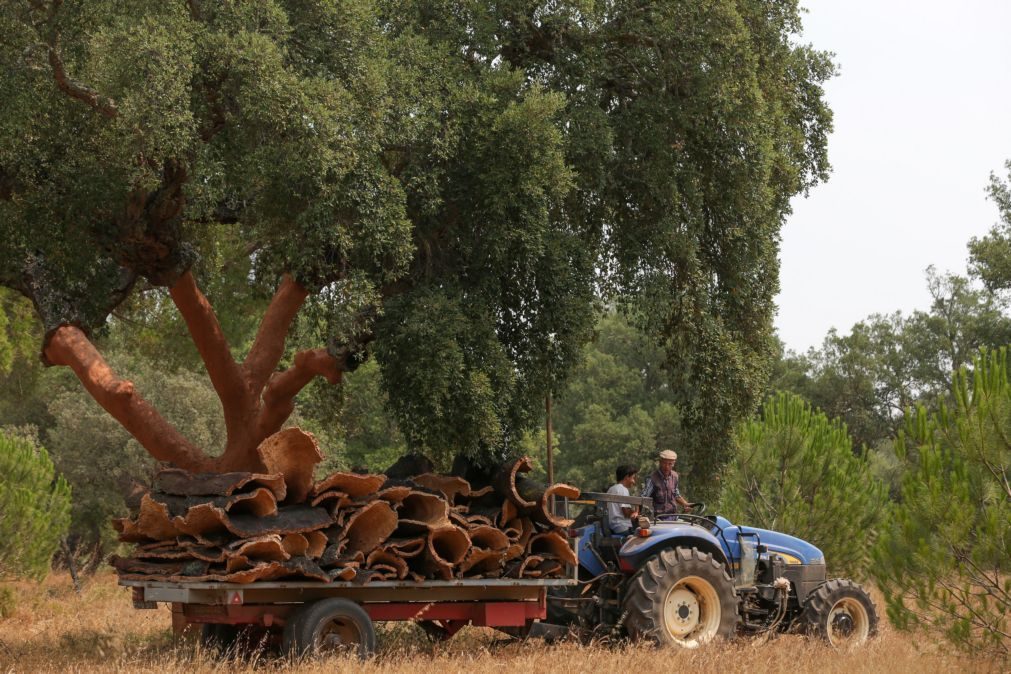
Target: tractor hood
<point>793,549</point>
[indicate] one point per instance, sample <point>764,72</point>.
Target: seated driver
<point>620,515</point>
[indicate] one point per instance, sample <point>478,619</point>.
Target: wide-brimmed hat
<point>668,455</point>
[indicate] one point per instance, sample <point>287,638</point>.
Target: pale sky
<point>922,117</point>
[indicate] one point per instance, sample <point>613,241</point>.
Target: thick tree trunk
<point>69,346</point>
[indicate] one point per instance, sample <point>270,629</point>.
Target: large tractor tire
<point>840,612</point>
<point>682,598</point>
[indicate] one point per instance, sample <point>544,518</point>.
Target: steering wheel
<point>698,508</point>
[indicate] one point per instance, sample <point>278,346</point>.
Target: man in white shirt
<point>620,515</point>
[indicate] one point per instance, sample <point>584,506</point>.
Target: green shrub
<point>34,508</point>
<point>796,472</point>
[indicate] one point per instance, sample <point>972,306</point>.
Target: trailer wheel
<point>840,612</point>
<point>681,597</point>
<point>330,627</point>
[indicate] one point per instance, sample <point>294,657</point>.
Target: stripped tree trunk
<point>256,400</point>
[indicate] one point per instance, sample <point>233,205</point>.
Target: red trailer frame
<point>443,607</point>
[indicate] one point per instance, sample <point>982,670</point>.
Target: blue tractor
<point>687,579</point>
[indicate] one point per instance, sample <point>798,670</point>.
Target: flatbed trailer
<point>314,618</point>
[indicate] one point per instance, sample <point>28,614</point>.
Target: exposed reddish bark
<point>269,343</point>
<point>250,419</point>
<point>69,346</point>
<point>255,400</point>
<point>208,337</point>
<point>279,396</point>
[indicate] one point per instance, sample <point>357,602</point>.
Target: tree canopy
<point>889,363</point>
<point>447,186</point>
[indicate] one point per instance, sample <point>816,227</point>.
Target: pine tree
<point>944,563</point>
<point>796,472</point>
<point>34,508</point>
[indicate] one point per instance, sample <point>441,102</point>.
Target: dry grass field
<point>55,630</point>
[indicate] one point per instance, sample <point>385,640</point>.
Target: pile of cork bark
<point>244,527</point>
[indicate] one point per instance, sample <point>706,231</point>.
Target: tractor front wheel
<point>681,597</point>
<point>840,612</point>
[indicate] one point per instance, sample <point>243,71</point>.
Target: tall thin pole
<point>551,458</point>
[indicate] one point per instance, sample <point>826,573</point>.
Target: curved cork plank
<point>294,454</point>
<point>519,530</point>
<point>369,527</point>
<point>346,573</point>
<point>354,485</point>
<point>481,561</point>
<point>332,500</point>
<point>428,509</point>
<point>296,545</point>
<point>489,538</point>
<point>294,519</point>
<point>388,560</point>
<point>205,554</point>
<point>394,494</point>
<point>154,520</point>
<point>542,513</point>
<point>317,544</point>
<point>505,482</point>
<point>525,568</point>
<point>449,485</point>
<point>406,547</point>
<point>552,543</point>
<point>508,513</point>
<point>450,543</point>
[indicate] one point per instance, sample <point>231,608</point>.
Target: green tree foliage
<point>365,429</point>
<point>796,472</point>
<point>617,408</point>
<point>944,561</point>
<point>990,256</point>
<point>34,508</point>
<point>454,181</point>
<point>887,363</point>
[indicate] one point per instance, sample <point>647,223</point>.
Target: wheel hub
<point>682,612</point>
<point>338,636</point>
<point>842,624</point>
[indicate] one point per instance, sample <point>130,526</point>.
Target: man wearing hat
<point>662,486</point>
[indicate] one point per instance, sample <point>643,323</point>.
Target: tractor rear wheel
<point>681,597</point>
<point>840,612</point>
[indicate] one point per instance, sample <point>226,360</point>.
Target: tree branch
<point>268,347</point>
<point>72,88</point>
<point>279,395</point>
<point>69,346</point>
<point>204,328</point>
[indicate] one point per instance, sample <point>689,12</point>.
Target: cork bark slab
<point>366,529</point>
<point>178,482</point>
<point>352,484</point>
<point>294,454</point>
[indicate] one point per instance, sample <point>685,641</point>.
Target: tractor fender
<point>669,535</point>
